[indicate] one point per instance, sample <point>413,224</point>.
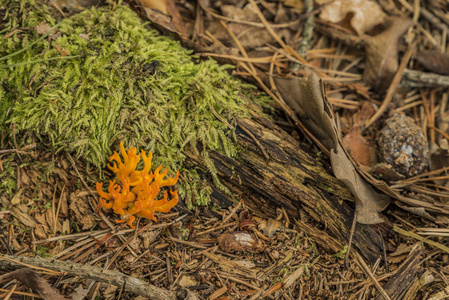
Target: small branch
<point>307,34</point>
<point>414,79</point>
<point>129,284</point>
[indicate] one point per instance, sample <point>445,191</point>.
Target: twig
<point>129,283</point>
<point>420,238</point>
<point>414,79</point>
<point>366,269</point>
<point>307,34</point>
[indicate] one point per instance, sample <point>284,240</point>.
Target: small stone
<point>402,144</point>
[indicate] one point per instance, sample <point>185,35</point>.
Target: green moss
<point>42,251</point>
<point>8,176</point>
<point>120,82</point>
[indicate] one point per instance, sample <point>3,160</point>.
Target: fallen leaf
<point>162,22</point>
<point>434,61</point>
<point>306,97</point>
<point>33,281</point>
<point>364,14</point>
<point>293,277</point>
<point>419,211</point>
<point>296,5</point>
<point>438,160</point>
<point>41,231</point>
<point>382,53</point>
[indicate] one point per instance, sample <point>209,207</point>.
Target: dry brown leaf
<point>361,150</point>
<point>382,53</point>
<point>33,281</point>
<point>307,99</point>
<point>366,14</point>
<point>434,61</point>
<point>163,23</point>
<point>420,211</point>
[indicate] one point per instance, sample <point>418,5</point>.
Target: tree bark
<point>272,170</point>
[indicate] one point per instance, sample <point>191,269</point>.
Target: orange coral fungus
<point>136,191</point>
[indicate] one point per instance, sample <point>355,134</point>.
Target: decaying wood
<point>129,283</point>
<point>406,276</point>
<point>290,178</point>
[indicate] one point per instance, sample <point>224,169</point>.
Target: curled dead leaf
<point>307,99</point>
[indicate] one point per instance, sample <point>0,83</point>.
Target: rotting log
<point>407,277</point>
<point>272,170</point>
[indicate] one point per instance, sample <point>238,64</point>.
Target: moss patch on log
<point>102,76</point>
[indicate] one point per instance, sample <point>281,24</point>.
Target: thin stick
<point>366,269</point>
<point>129,283</point>
<point>21,293</point>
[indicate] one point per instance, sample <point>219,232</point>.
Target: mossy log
<point>272,170</point>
